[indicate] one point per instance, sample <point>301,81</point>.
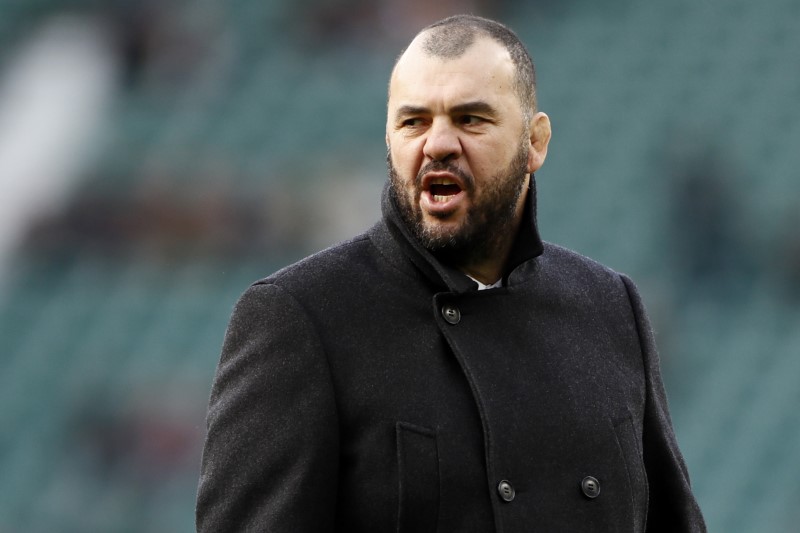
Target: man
<point>375,387</point>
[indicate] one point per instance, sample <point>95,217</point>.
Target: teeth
<point>442,181</point>
<point>439,197</point>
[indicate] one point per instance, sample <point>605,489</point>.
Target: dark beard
<point>492,216</point>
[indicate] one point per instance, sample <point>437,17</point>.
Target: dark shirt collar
<point>527,244</point>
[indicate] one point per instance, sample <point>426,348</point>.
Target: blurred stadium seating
<point>238,136</point>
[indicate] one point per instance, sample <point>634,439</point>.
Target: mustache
<point>445,166</point>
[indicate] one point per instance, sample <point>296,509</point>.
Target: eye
<point>414,122</point>
<point>471,120</point>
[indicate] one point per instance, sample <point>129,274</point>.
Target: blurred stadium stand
<point>241,136</point>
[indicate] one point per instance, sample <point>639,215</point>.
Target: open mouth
<point>443,190</point>
<point>443,193</point>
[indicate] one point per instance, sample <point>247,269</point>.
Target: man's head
<point>463,136</point>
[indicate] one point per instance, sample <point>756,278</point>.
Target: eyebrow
<point>477,106</point>
<point>409,110</point>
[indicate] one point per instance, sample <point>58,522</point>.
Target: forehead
<point>484,71</point>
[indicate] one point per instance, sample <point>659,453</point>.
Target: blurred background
<point>158,156</point>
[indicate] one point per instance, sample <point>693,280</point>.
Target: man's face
<point>459,150</point>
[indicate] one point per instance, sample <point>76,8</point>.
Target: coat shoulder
<point>569,265</point>
<point>325,270</point>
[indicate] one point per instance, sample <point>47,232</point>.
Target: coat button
<point>590,487</point>
<point>506,491</point>
<point>451,314</point>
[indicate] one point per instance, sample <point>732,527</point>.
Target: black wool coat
<point>370,388</point>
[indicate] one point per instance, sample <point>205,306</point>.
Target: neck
<point>491,269</point>
<point>490,266</point>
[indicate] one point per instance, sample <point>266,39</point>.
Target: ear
<point>540,138</point>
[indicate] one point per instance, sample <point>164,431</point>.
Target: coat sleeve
<point>672,506</point>
<point>271,453</point>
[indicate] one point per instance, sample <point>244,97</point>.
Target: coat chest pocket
<point>418,479</point>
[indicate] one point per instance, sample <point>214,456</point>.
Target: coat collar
<point>395,239</point>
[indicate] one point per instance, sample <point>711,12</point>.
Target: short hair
<point>449,38</point>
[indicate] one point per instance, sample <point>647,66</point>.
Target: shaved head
<point>450,38</point>
<point>450,42</point>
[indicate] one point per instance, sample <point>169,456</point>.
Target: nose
<point>443,141</point>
